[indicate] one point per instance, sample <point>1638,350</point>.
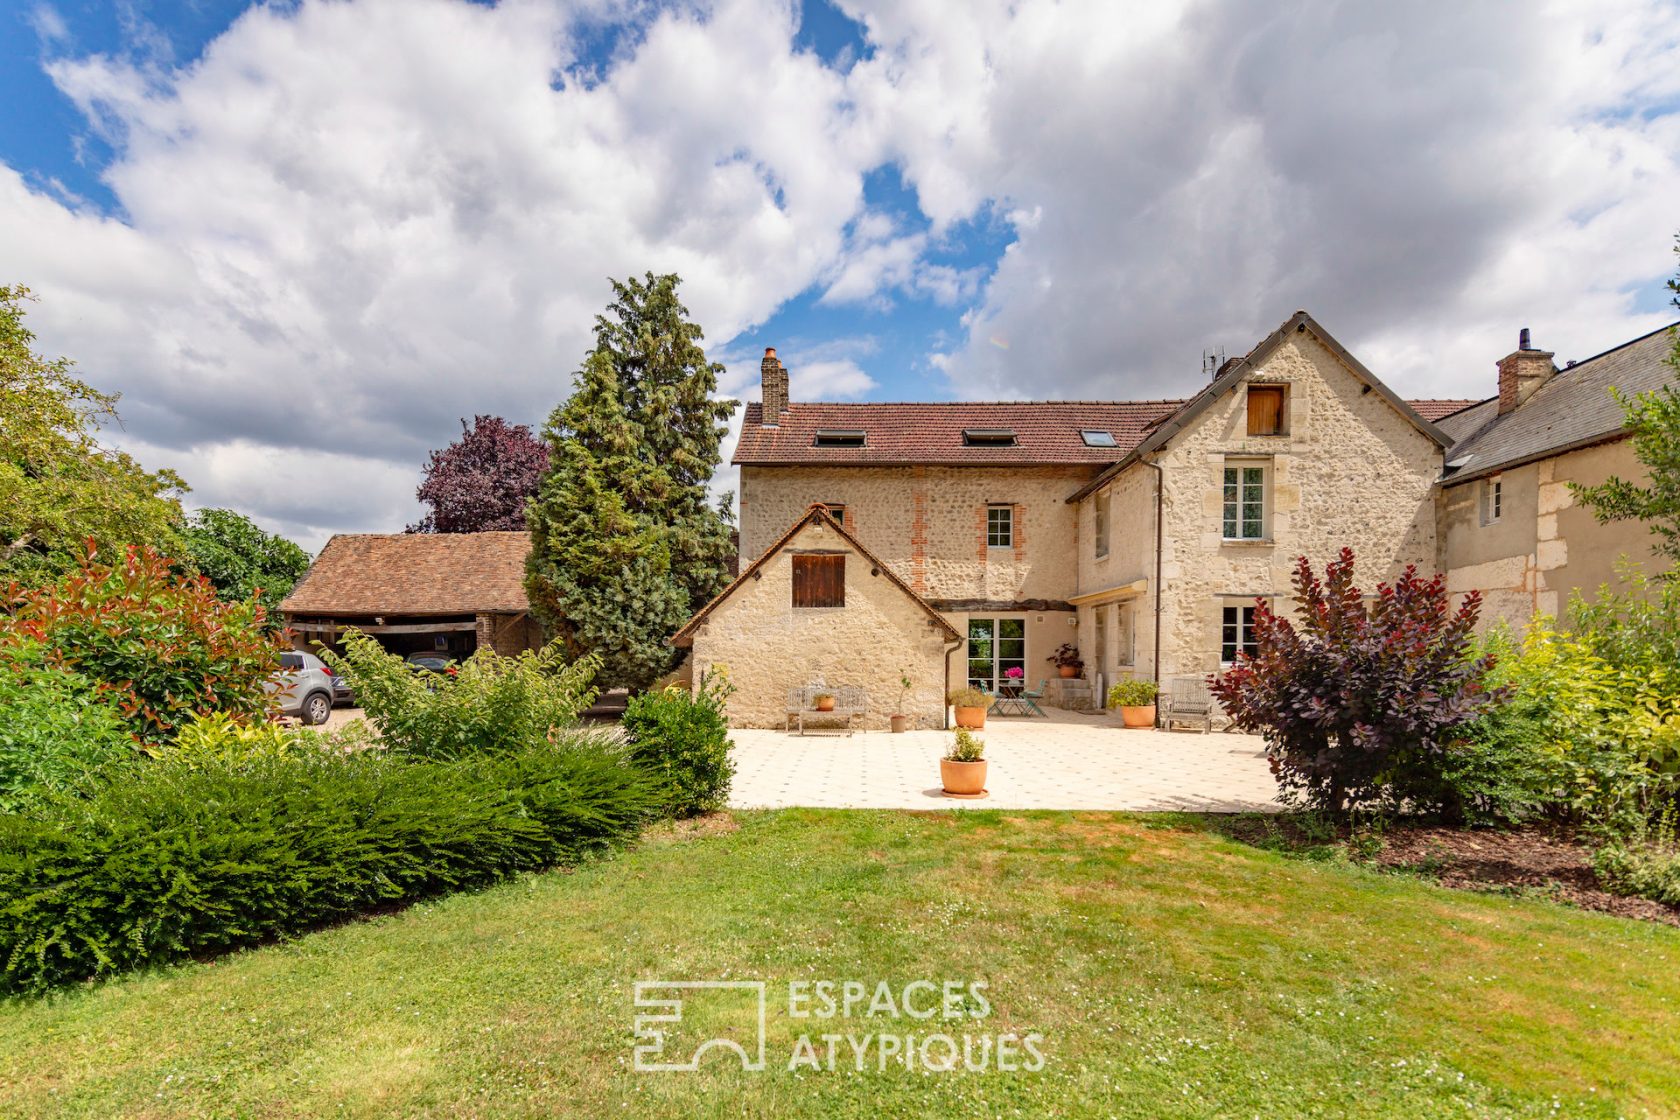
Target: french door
<point>995,645</point>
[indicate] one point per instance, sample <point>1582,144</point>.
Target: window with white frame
<point>1000,526</point>
<point>1245,501</point>
<point>1237,634</point>
<point>1100,524</point>
<point>1493,498</point>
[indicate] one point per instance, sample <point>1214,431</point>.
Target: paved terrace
<point>1070,760</point>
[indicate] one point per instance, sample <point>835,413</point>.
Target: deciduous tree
<point>482,481</point>
<point>240,559</point>
<point>58,486</point>
<point>625,543</point>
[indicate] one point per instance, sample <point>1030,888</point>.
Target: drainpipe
<point>1160,518</point>
<point>945,705</point>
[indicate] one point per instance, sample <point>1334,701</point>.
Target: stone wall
<point>1349,470</point>
<point>1544,545</point>
<point>768,646</point>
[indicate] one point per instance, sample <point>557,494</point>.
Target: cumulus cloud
<point>349,223</point>
<point>1182,177</point>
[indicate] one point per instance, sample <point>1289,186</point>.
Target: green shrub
<point>970,698</point>
<point>219,740</point>
<point>684,737</point>
<point>167,861</point>
<point>1646,866</point>
<point>55,729</point>
<point>160,647</point>
<point>1135,693</point>
<point>491,705</point>
<point>966,746</point>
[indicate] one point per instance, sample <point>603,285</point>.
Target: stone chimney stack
<point>775,380</point>
<point>1521,372</point>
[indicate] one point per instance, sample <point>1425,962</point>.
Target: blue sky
<point>304,239</point>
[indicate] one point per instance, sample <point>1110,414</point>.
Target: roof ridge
<point>1579,362</point>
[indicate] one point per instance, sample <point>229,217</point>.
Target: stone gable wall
<point>768,646</point>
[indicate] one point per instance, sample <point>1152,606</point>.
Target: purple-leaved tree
<point>482,481</point>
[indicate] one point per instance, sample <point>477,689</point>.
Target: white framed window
<point>1100,524</point>
<point>1493,498</point>
<point>1245,500</point>
<point>1000,526</point>
<point>1236,634</point>
<point>995,646</point>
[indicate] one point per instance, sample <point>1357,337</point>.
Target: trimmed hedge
<point>166,861</point>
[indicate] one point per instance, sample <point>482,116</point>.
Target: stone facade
<point>1529,559</point>
<point>1349,469</point>
<point>929,524</point>
<point>766,645</point>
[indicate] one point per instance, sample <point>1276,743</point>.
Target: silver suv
<point>304,687</point>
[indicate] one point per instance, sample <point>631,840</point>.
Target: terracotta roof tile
<point>932,432</point>
<point>414,574</point>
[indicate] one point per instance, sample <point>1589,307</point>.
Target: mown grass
<point>1170,971</point>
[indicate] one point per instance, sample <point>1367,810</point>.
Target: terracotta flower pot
<point>825,704</point>
<point>900,724</point>
<point>1141,716</point>
<point>971,718</point>
<point>962,777</point>
<point>1068,672</point>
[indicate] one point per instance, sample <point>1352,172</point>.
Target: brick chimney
<point>1521,372</point>
<point>775,381</point>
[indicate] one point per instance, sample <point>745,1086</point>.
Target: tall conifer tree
<point>625,544</point>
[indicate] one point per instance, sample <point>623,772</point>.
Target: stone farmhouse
<point>953,543</point>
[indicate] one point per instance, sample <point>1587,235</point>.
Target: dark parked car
<point>432,663</point>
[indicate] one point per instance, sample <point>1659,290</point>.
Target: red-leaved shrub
<point>159,647</point>
<point>1359,705</point>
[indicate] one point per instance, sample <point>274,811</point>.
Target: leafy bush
<point>492,705</point>
<point>169,861</point>
<point>966,747</point>
<point>684,737</point>
<point>1358,706</point>
<point>54,728</point>
<point>1135,693</point>
<point>970,698</point>
<point>161,648</point>
<point>219,740</point>
<point>1645,872</point>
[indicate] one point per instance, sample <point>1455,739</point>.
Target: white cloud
<point>350,223</point>
<point>1186,177</point>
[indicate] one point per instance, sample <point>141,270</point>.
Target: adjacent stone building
<point>1510,525</point>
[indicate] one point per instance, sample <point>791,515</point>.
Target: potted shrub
<point>1068,662</point>
<point>1136,700</point>
<point>971,705</point>
<point>824,701</point>
<point>899,721</point>
<point>962,771</point>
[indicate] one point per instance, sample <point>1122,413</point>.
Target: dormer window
<point>989,437</point>
<point>840,437</point>
<point>1097,439</point>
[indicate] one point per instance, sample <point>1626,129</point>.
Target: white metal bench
<point>850,705</point>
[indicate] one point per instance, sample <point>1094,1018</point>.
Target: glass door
<point>996,645</point>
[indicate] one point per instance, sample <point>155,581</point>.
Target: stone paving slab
<point>1070,761</point>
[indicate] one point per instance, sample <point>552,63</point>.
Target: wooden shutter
<point>1265,410</point>
<point>819,580</point>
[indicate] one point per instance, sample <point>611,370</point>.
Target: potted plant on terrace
<point>962,772</point>
<point>1136,700</point>
<point>898,720</point>
<point>1068,662</point>
<point>824,701</point>
<point>971,704</point>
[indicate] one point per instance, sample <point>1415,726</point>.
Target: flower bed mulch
<point>1555,864</point>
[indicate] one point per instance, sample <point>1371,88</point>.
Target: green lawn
<point>1170,972</point>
